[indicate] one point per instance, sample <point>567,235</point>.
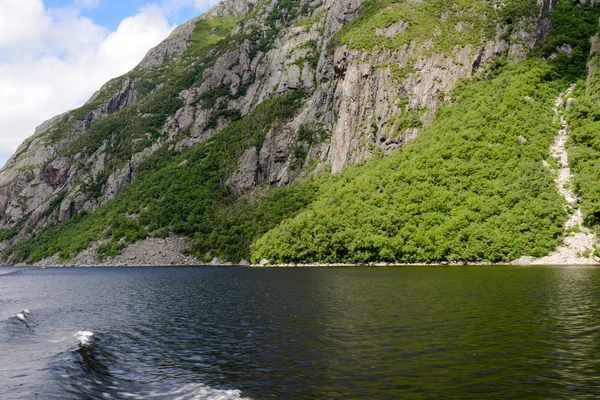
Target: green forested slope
<point>184,193</point>
<point>471,187</point>
<point>584,153</point>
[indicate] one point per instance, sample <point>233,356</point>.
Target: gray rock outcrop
<point>176,44</point>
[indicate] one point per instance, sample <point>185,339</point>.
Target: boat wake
<point>10,272</point>
<point>22,315</point>
<point>84,364</point>
<point>190,392</point>
<point>84,337</point>
<point>13,326</point>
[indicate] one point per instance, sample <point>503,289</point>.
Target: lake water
<point>341,333</point>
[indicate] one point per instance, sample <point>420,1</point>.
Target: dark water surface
<point>232,333</point>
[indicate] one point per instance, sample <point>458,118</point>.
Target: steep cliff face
<point>372,75</point>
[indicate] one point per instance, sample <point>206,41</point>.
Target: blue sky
<point>110,13</point>
<point>54,54</point>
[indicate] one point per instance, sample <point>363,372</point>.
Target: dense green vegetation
<point>466,189</point>
<point>307,23</point>
<point>584,153</point>
<point>12,232</point>
<point>574,26</point>
<point>184,193</point>
<point>472,186</point>
<point>232,227</point>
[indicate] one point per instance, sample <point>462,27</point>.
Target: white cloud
<point>21,21</point>
<point>171,6</point>
<point>53,60</point>
<point>204,4</point>
<point>134,37</point>
<point>88,3</point>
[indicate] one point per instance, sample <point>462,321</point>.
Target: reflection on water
<point>346,333</point>
<point>574,308</point>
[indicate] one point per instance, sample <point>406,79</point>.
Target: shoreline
<point>311,265</point>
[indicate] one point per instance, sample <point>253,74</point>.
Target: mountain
<point>342,131</point>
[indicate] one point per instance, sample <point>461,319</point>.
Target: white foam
<point>189,392</point>
<point>84,337</point>
<point>202,392</point>
<point>58,340</point>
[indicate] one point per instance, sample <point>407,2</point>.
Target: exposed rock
<point>566,48</point>
<point>56,172</point>
<point>579,242</point>
<point>148,252</point>
<point>274,157</point>
<point>116,182</point>
<point>524,260</point>
<point>123,94</point>
<point>528,32</point>
<point>245,176</point>
<point>392,30</point>
<point>66,211</point>
<point>176,44</point>
<point>123,98</point>
<point>228,8</point>
<point>365,96</point>
<point>593,67</point>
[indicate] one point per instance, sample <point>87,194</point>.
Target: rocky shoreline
<point>184,261</point>
<point>145,253</point>
<point>518,262</point>
<point>154,252</point>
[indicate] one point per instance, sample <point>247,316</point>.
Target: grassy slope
<point>434,26</point>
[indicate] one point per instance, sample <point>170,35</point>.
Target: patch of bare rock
<point>148,252</point>
<point>579,242</point>
<point>578,246</point>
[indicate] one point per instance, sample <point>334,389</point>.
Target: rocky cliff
<point>366,77</point>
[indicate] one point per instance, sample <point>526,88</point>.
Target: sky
<point>54,54</point>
